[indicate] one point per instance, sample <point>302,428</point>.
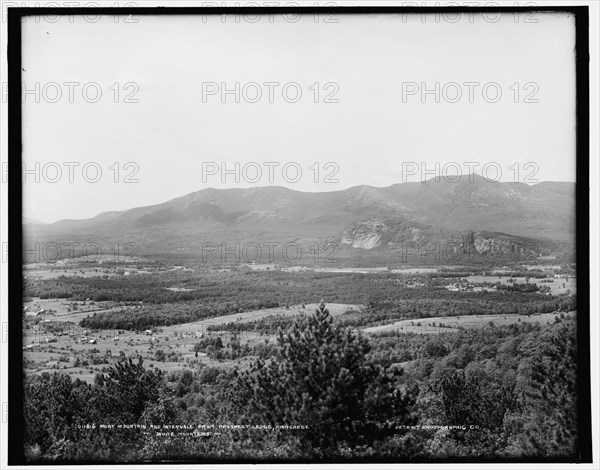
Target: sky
<point>192,102</point>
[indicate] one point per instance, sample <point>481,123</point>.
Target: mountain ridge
<point>544,211</point>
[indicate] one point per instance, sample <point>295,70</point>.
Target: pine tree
<point>321,378</point>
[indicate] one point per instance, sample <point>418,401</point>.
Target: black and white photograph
<point>299,233</point>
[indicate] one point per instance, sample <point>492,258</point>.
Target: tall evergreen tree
<point>322,379</point>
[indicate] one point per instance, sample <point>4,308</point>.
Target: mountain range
<point>542,213</point>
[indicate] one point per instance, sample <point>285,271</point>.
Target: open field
<point>344,270</point>
<point>92,267</point>
<point>560,286</point>
<point>334,310</point>
<point>68,353</point>
<point>67,310</point>
<point>177,339</point>
<point>432,325</point>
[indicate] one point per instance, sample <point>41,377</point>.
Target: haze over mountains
<point>27,220</point>
<point>543,212</point>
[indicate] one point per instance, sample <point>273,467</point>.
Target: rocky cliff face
<point>366,235</point>
<point>380,233</point>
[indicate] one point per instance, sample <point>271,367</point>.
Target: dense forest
<point>284,287</point>
<point>175,297</point>
<point>169,314</point>
<point>409,304</point>
<point>325,392</point>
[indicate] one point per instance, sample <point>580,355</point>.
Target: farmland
<point>46,351</point>
<point>67,327</point>
<point>438,325</point>
<point>146,341</point>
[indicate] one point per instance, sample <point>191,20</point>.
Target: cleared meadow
<point>449,324</point>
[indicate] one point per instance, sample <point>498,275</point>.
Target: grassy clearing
<point>44,356</point>
<point>449,324</point>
